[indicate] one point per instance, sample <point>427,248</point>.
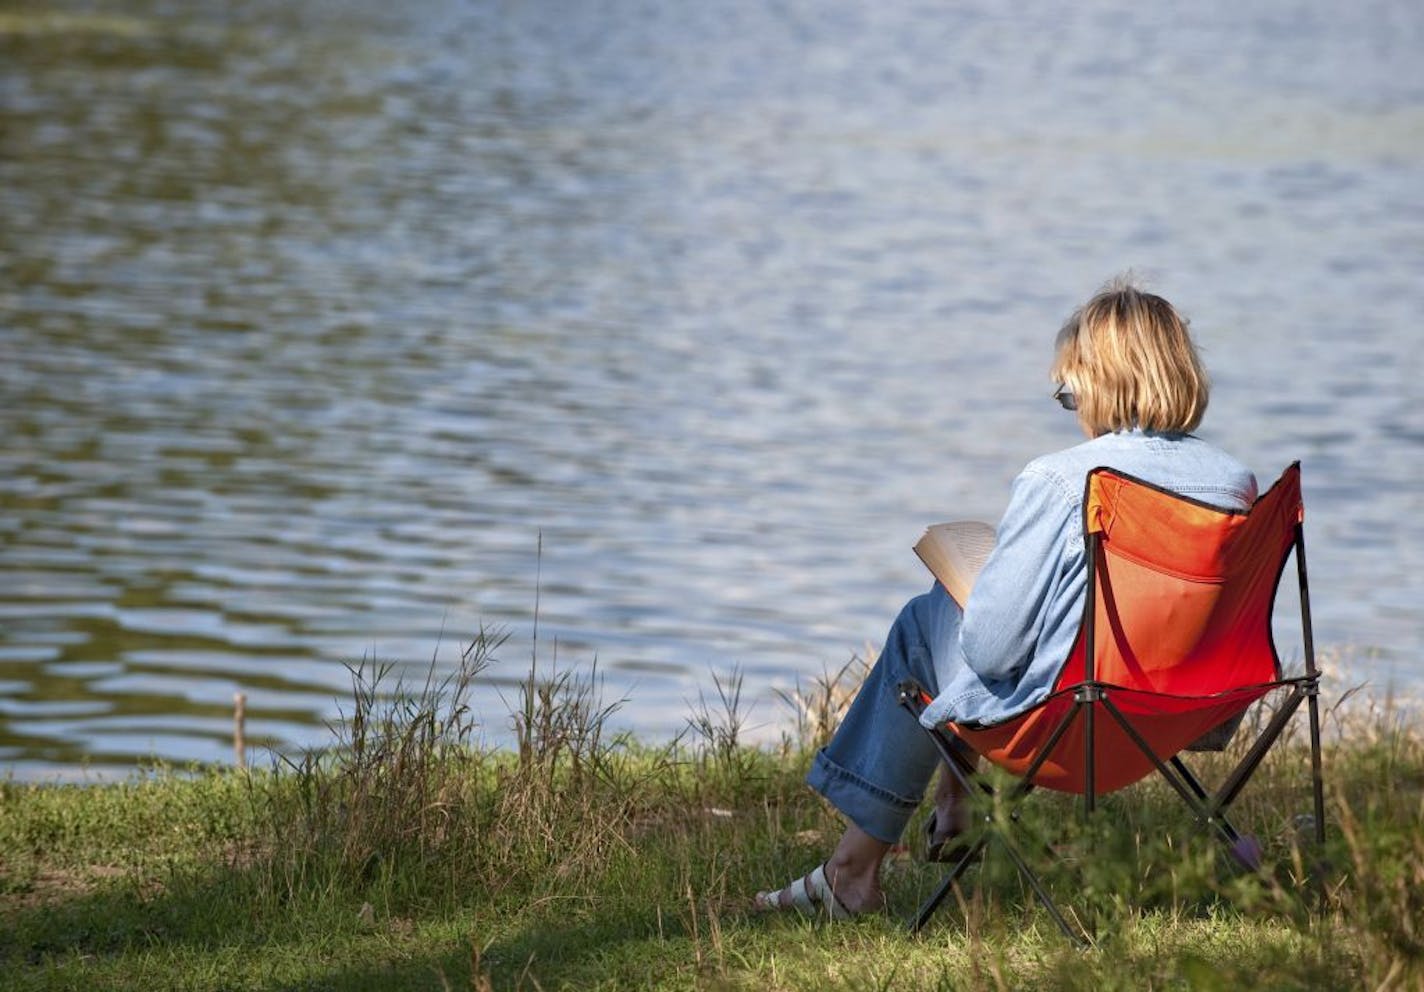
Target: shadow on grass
<point>207,933</point>
<point>216,929</point>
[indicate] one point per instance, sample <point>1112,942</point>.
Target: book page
<point>955,552</point>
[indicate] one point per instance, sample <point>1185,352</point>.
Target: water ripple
<point>333,334</point>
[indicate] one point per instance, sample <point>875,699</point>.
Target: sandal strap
<point>818,883</point>
<point>811,894</point>
<point>801,892</point>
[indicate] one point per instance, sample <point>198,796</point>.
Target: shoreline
<point>786,709</point>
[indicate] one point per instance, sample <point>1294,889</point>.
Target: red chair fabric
<point>1181,630</point>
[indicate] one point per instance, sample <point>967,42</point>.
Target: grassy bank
<point>405,858</point>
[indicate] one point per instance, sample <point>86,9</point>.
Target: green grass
<point>405,858</point>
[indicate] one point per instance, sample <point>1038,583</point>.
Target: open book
<point>955,552</point>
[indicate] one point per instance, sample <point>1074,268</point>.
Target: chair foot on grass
<point>1246,849</point>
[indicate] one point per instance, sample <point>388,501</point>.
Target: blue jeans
<point>876,767</point>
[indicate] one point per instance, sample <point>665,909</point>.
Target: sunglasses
<point>1065,398</point>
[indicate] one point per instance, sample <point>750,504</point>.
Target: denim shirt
<point>1026,606</point>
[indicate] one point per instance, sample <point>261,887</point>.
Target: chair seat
<point>1168,723</point>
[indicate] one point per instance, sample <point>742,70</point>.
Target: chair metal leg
<point>1211,809</point>
<point>1227,828</point>
<point>1317,780</point>
<point>912,699</point>
<point>1189,796</point>
<point>1188,777</point>
<point>1090,789</point>
<point>931,904</point>
<point>1044,898</point>
<point>1226,795</point>
<point>1312,684</point>
<point>1051,745</point>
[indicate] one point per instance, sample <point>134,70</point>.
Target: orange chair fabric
<point>1181,630</point>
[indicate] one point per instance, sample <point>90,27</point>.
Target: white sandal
<point>811,894</point>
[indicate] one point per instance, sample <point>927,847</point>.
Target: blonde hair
<point>1129,361</point>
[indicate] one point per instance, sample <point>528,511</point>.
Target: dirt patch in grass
<point>52,886</point>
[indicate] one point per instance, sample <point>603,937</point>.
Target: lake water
<point>331,330</point>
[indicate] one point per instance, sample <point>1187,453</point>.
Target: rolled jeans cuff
<point>881,814</point>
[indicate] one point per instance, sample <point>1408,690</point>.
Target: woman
<point>1126,364</point>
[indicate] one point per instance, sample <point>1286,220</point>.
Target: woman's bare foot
<point>951,816</point>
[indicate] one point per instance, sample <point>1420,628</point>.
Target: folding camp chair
<point>1175,641</point>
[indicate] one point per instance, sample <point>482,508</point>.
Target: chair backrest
<point>1179,623</point>
<point>1183,590</point>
